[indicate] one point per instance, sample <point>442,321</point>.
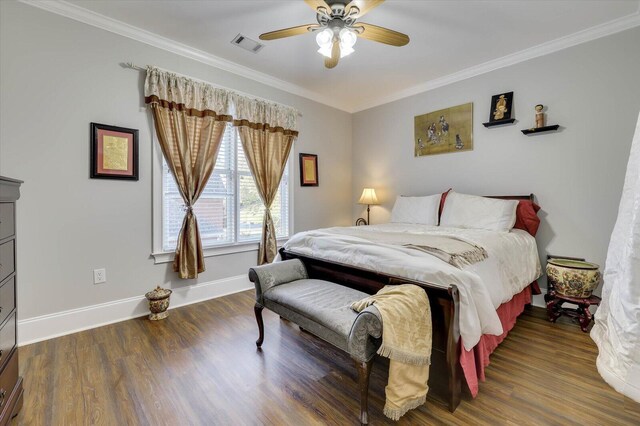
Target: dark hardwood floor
<point>200,366</point>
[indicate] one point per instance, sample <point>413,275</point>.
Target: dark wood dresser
<point>10,381</point>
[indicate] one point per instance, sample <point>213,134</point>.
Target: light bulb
<point>324,37</point>
<point>347,38</point>
<point>325,51</point>
<point>345,50</point>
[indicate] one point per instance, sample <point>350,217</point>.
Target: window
<point>229,211</point>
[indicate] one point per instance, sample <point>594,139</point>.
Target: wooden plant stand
<point>581,313</point>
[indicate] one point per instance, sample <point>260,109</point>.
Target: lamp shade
<point>368,197</point>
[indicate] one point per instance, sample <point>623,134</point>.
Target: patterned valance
<point>198,98</point>
<point>265,115</point>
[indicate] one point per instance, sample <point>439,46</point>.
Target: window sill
<point>168,256</point>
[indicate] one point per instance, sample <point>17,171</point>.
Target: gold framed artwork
<point>443,131</point>
<point>114,152</point>
<point>308,170</point>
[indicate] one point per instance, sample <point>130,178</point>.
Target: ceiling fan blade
<point>363,6</point>
<point>288,32</point>
<point>382,35</point>
<point>335,56</point>
<point>315,4</point>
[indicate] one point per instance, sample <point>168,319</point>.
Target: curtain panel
<point>190,117</point>
<point>267,132</point>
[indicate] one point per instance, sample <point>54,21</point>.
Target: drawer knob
<point>1,352</point>
<point>3,393</point>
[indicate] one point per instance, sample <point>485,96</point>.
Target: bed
<point>473,307</point>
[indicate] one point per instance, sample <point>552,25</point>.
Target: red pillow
<point>442,198</point>
<point>526,217</point>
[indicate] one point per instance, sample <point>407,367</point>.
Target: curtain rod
<point>131,65</point>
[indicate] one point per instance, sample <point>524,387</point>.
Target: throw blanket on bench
<point>406,341</point>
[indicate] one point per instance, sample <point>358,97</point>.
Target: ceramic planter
<point>573,278</point>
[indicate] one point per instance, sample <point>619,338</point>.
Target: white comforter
<point>512,264</point>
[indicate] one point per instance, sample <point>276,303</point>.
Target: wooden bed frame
<point>445,379</point>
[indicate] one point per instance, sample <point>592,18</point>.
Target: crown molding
<point>589,34</point>
<point>88,17</point>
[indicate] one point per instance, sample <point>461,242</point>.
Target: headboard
<point>512,197</point>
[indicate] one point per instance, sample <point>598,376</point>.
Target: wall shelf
<point>541,129</point>
<point>499,122</point>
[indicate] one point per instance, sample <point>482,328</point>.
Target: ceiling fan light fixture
<point>324,39</point>
<point>338,28</point>
<point>325,51</point>
<point>348,38</point>
<point>345,50</point>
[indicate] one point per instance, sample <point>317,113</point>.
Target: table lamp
<point>369,198</point>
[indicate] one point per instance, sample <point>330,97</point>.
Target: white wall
<point>58,75</point>
<point>592,90</point>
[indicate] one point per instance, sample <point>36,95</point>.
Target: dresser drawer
<point>7,298</point>
<point>7,220</point>
<point>7,259</point>
<point>8,380</point>
<point>7,339</point>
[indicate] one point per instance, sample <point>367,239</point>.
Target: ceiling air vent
<point>247,44</point>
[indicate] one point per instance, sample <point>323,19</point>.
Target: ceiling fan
<point>338,28</point>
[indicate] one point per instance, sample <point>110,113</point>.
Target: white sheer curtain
<point>617,327</point>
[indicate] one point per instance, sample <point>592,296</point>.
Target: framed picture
<point>114,152</point>
<point>443,131</point>
<point>308,170</point>
<point>501,107</point>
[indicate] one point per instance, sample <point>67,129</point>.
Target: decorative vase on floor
<point>158,303</point>
<point>573,278</point>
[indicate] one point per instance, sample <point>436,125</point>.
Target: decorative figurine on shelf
<point>501,108</point>
<point>539,116</point>
<point>158,303</point>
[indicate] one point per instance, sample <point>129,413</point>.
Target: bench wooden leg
<point>364,371</point>
<point>257,309</point>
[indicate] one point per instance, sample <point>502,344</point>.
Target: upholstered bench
<point>321,308</point>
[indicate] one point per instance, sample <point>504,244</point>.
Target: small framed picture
<point>308,170</point>
<point>114,152</point>
<point>501,107</point>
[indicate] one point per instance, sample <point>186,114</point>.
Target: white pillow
<point>471,211</point>
<point>422,210</point>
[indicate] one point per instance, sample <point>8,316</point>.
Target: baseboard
<point>46,327</point>
<point>538,299</point>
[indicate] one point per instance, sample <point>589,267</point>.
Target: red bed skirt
<point>473,362</point>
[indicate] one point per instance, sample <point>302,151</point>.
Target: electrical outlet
<point>99,276</point>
